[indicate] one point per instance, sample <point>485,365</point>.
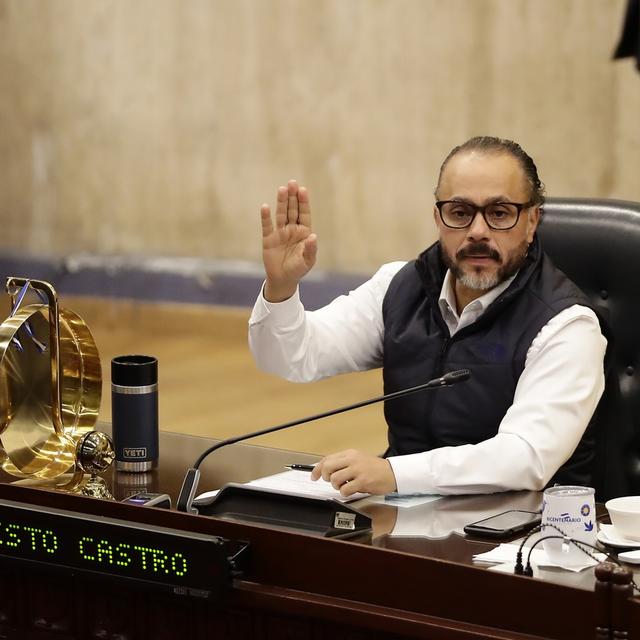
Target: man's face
<point>480,257</point>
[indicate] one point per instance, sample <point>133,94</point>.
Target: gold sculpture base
<point>87,485</point>
<point>96,487</point>
<point>50,390</point>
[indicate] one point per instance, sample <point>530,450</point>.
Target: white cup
<point>573,511</point>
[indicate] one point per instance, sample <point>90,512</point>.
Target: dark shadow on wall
<point>629,44</point>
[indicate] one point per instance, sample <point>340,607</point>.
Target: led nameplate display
<point>171,557</point>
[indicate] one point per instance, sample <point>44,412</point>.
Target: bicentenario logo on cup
<point>567,518</point>
<point>564,517</point>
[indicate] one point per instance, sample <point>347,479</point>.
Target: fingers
<point>334,469</point>
<point>265,218</point>
<point>352,471</point>
<point>292,206</point>
<point>316,474</point>
<point>310,250</point>
<point>344,481</point>
<point>304,214</point>
<point>281,207</point>
<point>350,487</point>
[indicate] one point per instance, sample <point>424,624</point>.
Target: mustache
<point>479,250</point>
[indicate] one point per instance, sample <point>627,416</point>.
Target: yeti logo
<point>135,453</point>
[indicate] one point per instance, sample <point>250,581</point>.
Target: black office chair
<point>597,244</point>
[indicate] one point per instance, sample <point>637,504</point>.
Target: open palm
<point>288,248</point>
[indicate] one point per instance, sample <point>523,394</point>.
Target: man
<point>484,297</point>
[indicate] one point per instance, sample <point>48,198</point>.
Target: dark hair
<point>491,144</point>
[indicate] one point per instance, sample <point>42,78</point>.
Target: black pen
<point>300,467</point>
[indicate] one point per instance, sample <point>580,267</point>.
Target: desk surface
<point>378,569</point>
<point>441,521</point>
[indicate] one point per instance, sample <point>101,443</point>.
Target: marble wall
<point>158,127</point>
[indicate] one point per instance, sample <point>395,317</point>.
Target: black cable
<point>578,544</point>
<point>519,569</point>
<point>614,559</point>
<point>528,570</point>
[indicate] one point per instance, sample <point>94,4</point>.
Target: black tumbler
<point>134,412</point>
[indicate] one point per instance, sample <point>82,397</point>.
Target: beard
<point>477,278</point>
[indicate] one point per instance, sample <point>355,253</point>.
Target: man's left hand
<point>352,471</point>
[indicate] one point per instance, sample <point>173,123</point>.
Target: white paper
<point>298,483</point>
<point>506,553</point>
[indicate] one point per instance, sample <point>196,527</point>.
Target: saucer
<point>608,535</point>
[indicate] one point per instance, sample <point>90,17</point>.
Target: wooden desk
<point>296,585</point>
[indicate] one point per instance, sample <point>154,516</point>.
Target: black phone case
<point>478,529</point>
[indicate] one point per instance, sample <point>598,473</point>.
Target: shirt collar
<point>447,299</point>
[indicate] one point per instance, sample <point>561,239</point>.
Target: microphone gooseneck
<point>190,483</point>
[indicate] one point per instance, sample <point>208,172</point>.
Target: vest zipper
<point>437,372</point>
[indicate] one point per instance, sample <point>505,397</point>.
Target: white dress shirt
<point>554,400</point>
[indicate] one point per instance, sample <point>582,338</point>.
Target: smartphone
<point>505,524</point>
<point>145,499</point>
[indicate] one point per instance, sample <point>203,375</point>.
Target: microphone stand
<point>190,483</point>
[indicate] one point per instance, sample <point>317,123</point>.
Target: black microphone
<point>190,482</point>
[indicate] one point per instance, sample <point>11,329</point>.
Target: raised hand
<point>288,249</point>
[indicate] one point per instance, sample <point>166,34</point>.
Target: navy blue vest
<point>418,347</point>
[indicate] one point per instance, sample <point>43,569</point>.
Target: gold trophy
<point>50,390</point>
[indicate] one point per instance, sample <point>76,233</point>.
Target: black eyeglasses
<point>498,215</point>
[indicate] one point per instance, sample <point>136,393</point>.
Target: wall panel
<point>157,127</point>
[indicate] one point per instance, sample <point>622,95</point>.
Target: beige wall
<point>157,127</point>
